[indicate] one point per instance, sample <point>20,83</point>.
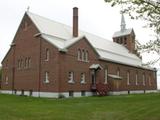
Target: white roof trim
<point>115,76</point>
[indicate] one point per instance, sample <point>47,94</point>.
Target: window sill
<point>71,82</point>
<point>46,82</point>
<point>83,82</point>
<point>83,61</point>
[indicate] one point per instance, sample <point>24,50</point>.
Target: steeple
<point>123,23</point>
<point>125,37</point>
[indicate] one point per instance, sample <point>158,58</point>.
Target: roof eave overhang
<point>137,66</point>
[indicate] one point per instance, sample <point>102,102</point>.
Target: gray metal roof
<point>60,35</point>
<point>122,32</point>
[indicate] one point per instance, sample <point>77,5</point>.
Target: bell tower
<point>125,37</point>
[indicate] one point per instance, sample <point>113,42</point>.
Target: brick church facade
<point>48,59</point>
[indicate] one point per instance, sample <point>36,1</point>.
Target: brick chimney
<point>75,22</point>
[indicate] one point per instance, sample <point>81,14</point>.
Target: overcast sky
<point>95,16</point>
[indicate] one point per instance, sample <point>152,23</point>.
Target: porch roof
<point>115,76</point>
<point>95,66</point>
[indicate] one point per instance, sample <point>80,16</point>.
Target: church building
<point>51,59</point>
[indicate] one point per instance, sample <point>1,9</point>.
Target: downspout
<point>13,45</point>
<point>39,82</point>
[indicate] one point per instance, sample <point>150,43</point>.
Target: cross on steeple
<point>28,9</point>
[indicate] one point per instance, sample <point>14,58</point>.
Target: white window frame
<point>70,77</point>
<point>46,80</point>
<point>149,80</point>
<point>47,54</point>
<point>87,55</point>
<point>106,75</point>
<point>136,79</point>
<point>143,78</point>
<point>6,80</point>
<point>128,78</point>
<point>83,78</point>
<point>83,55</point>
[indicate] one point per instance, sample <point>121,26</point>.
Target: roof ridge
<point>47,18</point>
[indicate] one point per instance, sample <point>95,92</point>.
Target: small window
<point>136,79</point>
<point>117,40</point>
<point>47,55</point>
<point>83,78</point>
<point>125,40</point>
<point>22,92</point>
<point>71,93</point>
<point>46,80</point>
<point>128,78</point>
<point>83,93</point>
<point>79,54</point>
<point>30,92</point>
<point>6,80</point>
<point>143,79</point>
<point>106,76</point>
<point>70,77</point>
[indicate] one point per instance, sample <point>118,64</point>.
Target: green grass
<point>131,107</point>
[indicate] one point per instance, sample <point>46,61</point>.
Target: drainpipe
<point>13,45</point>
<point>39,81</point>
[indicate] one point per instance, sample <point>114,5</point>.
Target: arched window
<point>6,80</point>
<point>83,76</point>
<point>47,55</point>
<point>83,55</point>
<point>79,54</point>
<point>87,55</point>
<point>144,79</point>
<point>149,80</point>
<point>46,80</point>
<point>71,77</point>
<point>128,78</point>
<point>106,75</point>
<point>136,78</point>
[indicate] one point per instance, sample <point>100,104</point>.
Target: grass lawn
<point>131,107</point>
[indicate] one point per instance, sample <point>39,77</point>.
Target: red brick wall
<point>59,65</point>
<point>69,62</point>
<point>51,66</point>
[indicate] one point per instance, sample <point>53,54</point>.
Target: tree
<point>148,10</point>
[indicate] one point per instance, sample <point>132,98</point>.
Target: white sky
<point>95,16</point>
